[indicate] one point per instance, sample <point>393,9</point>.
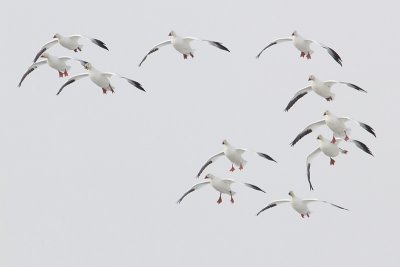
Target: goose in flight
<point>303,45</point>
<point>337,126</point>
<point>331,150</point>
<point>321,88</point>
<point>298,204</point>
<point>223,186</point>
<point>234,155</point>
<point>70,42</point>
<point>101,79</point>
<point>182,45</point>
<point>57,63</point>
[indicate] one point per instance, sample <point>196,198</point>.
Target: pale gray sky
<point>88,179</point>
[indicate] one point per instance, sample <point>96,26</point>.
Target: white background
<point>88,179</point>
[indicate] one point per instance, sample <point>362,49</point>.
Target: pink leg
<point>308,55</point>
<point>60,74</point>
<point>65,73</point>
<point>333,140</point>
<point>332,162</point>
<point>184,56</point>
<point>241,166</point>
<point>232,169</point>
<point>302,54</point>
<point>232,201</point>
<point>302,216</point>
<point>104,91</point>
<point>308,215</point>
<point>191,55</point>
<point>219,199</point>
<point>329,99</point>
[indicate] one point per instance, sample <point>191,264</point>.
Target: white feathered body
<point>234,155</point>
<point>301,44</point>
<point>321,89</point>
<point>222,186</point>
<point>337,126</point>
<point>99,79</point>
<point>181,45</point>
<point>57,64</point>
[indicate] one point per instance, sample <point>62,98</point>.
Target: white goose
<point>101,79</point>
<point>336,124</point>
<point>298,204</point>
<point>70,42</point>
<point>321,88</point>
<point>303,45</point>
<point>223,186</point>
<point>331,150</point>
<point>57,63</point>
<point>234,155</point>
<point>182,45</point>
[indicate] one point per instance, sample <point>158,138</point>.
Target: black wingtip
<point>220,46</point>
<point>39,54</point>
<point>334,55</point>
<point>363,147</point>
<point>99,43</point>
<point>309,176</point>
<point>263,155</point>
<point>368,128</point>
<point>358,88</point>
<point>136,84</point>
<point>254,187</point>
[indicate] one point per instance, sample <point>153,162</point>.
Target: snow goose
<point>69,42</point>
<point>57,63</point>
<point>298,204</point>
<point>101,79</point>
<point>336,124</point>
<point>331,150</point>
<point>303,45</point>
<point>182,45</point>
<point>321,88</point>
<point>223,186</point>
<point>234,155</point>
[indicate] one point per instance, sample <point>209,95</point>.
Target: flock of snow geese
<point>328,147</point>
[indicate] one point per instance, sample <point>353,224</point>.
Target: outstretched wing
<point>332,82</point>
<point>309,129</point>
<point>194,188</point>
<point>30,69</point>
<point>277,41</point>
<point>231,181</point>
<point>134,83</point>
<point>93,40</point>
<point>274,204</point>
<point>297,96</point>
<point>263,155</point>
<point>361,124</point>
<point>330,51</point>
<point>209,161</point>
<point>323,201</point>
<point>154,49</point>
<point>308,163</point>
<point>213,43</point>
<point>44,48</point>
<point>72,80</point>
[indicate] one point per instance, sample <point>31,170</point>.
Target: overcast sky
<point>88,179</point>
